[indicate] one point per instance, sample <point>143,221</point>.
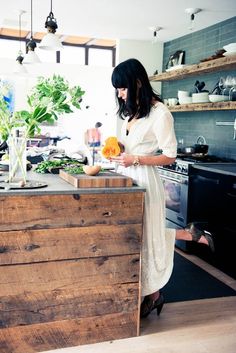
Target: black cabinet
<point>212,200</point>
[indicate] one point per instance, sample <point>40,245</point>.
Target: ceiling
<point>114,19</point>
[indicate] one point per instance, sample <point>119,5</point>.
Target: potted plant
<point>48,99</point>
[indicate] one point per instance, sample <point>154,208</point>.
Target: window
<point>72,55</point>
<point>10,48</point>
<point>46,56</point>
<point>100,57</point>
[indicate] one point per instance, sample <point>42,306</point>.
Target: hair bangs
<point>119,79</point>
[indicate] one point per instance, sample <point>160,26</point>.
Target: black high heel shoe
<point>197,233</point>
<point>148,305</point>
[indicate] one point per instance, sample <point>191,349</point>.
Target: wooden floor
<point>199,326</point>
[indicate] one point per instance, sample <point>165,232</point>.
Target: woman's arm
<point>128,160</point>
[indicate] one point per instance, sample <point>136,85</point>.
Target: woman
<point>148,127</point>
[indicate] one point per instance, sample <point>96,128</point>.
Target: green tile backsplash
<point>189,125</point>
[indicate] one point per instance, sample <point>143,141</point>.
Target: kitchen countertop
<point>221,168</point>
<point>58,185</point>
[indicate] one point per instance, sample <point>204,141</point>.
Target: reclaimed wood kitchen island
<point>69,265</point>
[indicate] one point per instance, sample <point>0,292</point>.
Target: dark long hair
<point>132,75</point>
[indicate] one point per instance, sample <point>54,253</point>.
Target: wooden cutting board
<point>107,179</point>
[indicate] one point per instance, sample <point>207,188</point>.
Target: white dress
<point>146,137</point>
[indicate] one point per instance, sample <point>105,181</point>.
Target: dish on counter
<point>91,169</point>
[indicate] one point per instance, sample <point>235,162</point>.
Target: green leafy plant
<point>48,166</point>
<point>48,99</point>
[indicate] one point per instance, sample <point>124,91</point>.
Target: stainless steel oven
<point>176,193</point>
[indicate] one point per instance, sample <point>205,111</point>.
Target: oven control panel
<point>179,166</point>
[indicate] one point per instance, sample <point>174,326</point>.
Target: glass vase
<point>17,156</point>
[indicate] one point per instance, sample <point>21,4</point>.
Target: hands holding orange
<point>113,150</point>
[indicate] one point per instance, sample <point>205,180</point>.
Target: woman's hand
<point>126,160</point>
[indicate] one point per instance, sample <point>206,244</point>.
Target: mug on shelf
<point>172,101</point>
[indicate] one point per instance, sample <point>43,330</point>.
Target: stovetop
<point>182,163</point>
<point>204,158</point>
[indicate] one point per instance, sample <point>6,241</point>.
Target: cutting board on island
<point>106,179</point>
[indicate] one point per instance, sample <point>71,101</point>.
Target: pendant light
<point>154,31</point>
<point>50,41</point>
<point>31,57</point>
<point>192,12</point>
<point>19,67</point>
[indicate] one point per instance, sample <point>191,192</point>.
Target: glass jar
<point>17,155</point>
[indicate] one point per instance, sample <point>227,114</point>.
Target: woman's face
<point>122,93</point>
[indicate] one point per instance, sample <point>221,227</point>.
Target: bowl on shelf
<point>185,100</point>
<point>230,53</point>
<point>182,94</point>
<point>230,47</point>
<point>218,98</point>
<point>201,97</point>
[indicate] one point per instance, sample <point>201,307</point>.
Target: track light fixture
<point>31,57</point>
<point>50,41</point>
<point>19,68</point>
<point>192,12</point>
<point>155,30</point>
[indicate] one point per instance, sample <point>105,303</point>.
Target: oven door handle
<point>179,181</point>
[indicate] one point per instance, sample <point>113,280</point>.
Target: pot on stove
<point>200,148</point>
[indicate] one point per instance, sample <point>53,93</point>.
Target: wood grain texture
<point>225,63</point>
<point>102,180</point>
<point>62,304</point>
<point>203,106</point>
<point>69,269</point>
<point>28,246</point>
<point>58,211</point>
<point>67,333</point>
<point>86,273</point>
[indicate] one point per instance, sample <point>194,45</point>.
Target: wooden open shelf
<point>225,63</point>
<point>203,107</point>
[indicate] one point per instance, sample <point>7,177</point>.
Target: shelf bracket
<point>228,123</point>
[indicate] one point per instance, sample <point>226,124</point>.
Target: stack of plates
<point>230,49</point>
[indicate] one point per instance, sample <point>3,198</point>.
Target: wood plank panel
<point>225,63</point>
<point>11,32</point>
<point>86,273</point>
<point>67,333</point>
<point>203,106</point>
<point>76,39</point>
<point>69,269</point>
<point>57,244</point>
<point>57,211</point>
<point>62,304</point>
<point>104,42</point>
